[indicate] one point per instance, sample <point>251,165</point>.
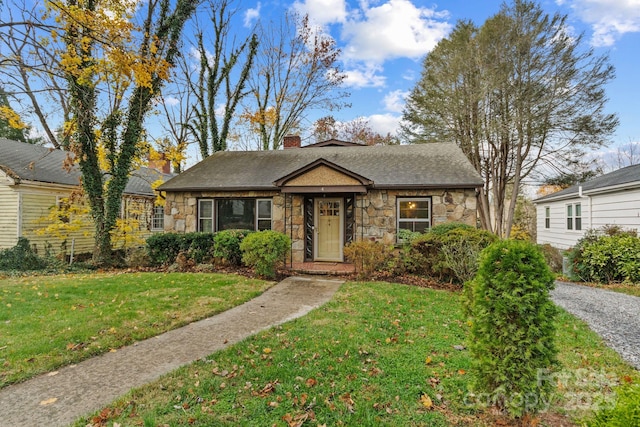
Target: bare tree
<point>27,68</point>
<point>222,73</point>
<point>296,71</point>
<point>357,130</point>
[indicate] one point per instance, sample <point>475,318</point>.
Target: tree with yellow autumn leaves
<point>113,69</point>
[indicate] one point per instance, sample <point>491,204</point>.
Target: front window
<point>263,221</point>
<point>226,214</point>
<point>414,214</point>
<point>574,216</point>
<point>157,220</point>
<point>205,216</point>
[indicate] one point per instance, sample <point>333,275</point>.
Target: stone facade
<point>375,212</point>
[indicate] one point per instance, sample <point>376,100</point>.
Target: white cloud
<point>609,19</point>
<point>170,101</point>
<point>252,15</point>
<point>323,12</point>
<point>384,123</point>
<point>394,29</point>
<point>365,75</point>
<point>394,101</point>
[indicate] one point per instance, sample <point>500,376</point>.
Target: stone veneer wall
<point>181,209</point>
<point>376,211</point>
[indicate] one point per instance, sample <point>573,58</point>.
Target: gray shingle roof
<point>31,162</point>
<point>395,166</point>
<point>628,175</point>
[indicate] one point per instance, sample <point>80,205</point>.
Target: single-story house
<point>33,180</point>
<point>611,199</point>
<point>325,195</point>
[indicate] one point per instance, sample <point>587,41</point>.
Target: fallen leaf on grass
<point>426,401</point>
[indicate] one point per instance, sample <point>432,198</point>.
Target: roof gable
<point>321,173</point>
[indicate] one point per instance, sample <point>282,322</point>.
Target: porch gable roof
<point>323,176</point>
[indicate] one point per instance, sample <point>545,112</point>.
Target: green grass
<point>364,359</point>
<point>50,321</point>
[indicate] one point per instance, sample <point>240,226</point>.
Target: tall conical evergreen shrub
<point>512,327</point>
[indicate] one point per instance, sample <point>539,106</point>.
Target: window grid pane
<point>264,214</point>
<point>414,214</point>
<point>205,216</point>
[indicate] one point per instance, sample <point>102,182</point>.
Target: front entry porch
<point>323,268</point>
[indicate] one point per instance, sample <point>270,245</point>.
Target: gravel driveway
<point>614,316</point>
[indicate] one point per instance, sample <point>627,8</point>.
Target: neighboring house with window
<point>611,199</point>
<point>325,195</point>
<point>33,180</point>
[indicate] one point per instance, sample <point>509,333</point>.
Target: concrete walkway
<point>59,398</point>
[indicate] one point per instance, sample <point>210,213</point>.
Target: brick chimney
<point>291,141</point>
<point>161,165</point>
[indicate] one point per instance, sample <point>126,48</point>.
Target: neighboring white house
<point>611,199</point>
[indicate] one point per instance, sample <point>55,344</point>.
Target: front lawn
<point>50,321</point>
<point>378,354</point>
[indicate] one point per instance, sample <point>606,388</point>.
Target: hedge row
<point>262,250</point>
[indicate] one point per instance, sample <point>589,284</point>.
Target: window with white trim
<point>157,219</point>
<point>414,214</point>
<point>225,214</point>
<point>205,215</point>
<point>547,217</point>
<point>574,216</point>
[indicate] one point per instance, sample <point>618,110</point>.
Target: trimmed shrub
<point>611,257</point>
<point>198,247</point>
<point>451,252</point>
<point>163,248</point>
<point>626,412</point>
<point>265,251</point>
<point>21,257</point>
<point>227,245</point>
<point>441,229</point>
<point>367,256</point>
<point>512,327</point>
<point>552,256</point>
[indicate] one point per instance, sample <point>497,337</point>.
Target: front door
<point>328,227</point>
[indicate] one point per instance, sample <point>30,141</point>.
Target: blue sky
<point>383,43</point>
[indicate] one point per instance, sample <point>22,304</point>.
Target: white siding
<point>618,208</point>
<point>557,234</point>
<point>8,215</point>
<point>621,208</point>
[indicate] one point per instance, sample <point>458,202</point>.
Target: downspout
<point>580,195</point>
<point>19,223</point>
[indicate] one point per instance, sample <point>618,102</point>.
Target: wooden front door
<point>328,227</point>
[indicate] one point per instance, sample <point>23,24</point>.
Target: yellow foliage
<point>259,118</point>
<point>159,198</point>
<point>548,189</point>
<point>519,233</point>
<point>6,113</point>
<point>70,215</point>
